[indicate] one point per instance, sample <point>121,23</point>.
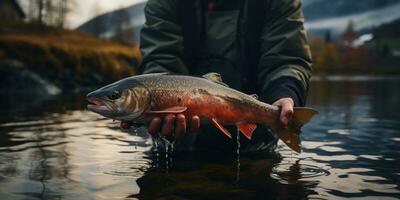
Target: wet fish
<point>140,98</point>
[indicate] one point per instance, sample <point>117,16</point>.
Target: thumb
<point>287,111</point>
<point>286,115</point>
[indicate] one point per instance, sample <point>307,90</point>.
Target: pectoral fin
<point>247,129</point>
<point>172,110</point>
<point>220,127</point>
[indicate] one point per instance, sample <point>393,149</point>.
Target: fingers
<point>287,113</point>
<point>168,125</point>
<point>287,109</point>
<point>194,124</point>
<point>180,126</point>
<point>154,126</point>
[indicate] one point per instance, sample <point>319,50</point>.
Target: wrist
<point>285,87</point>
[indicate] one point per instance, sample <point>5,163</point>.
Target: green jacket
<point>258,46</point>
<point>279,62</point>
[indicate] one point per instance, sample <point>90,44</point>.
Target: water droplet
<point>238,156</point>
<point>156,147</point>
<point>172,147</point>
<point>238,141</point>
<point>135,132</point>
<point>166,150</point>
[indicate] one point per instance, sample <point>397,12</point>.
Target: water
<point>55,149</point>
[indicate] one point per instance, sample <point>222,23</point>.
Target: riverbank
<point>68,59</point>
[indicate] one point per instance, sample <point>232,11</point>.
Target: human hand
<point>286,105</point>
<point>170,125</point>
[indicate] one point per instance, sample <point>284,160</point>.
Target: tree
<point>40,10</point>
<point>49,12</point>
<point>349,34</point>
<point>328,37</point>
<point>63,10</point>
<point>32,11</point>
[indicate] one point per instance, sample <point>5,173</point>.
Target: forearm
<point>284,69</point>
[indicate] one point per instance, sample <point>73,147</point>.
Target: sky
<point>87,9</point>
<point>83,10</point>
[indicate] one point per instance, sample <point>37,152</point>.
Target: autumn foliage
<point>333,57</point>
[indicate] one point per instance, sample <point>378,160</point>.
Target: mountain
<point>362,21</point>
<point>391,30</point>
<point>109,24</point>
<point>321,16</point>
<point>323,9</point>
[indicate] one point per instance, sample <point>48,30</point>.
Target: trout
<point>143,97</point>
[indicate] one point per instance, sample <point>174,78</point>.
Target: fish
<point>141,98</point>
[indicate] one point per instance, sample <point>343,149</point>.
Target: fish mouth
<point>99,106</point>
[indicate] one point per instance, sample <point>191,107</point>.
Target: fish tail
<point>290,134</point>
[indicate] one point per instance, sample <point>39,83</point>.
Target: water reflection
<point>54,149</point>
<point>215,177</point>
<point>70,154</point>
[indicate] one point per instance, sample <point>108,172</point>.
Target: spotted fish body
<point>141,98</point>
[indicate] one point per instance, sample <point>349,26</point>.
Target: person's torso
<point>219,46</point>
<point>220,51</point>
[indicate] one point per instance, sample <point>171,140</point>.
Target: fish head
<point>123,100</point>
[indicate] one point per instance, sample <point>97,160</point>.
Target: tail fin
<point>290,134</point>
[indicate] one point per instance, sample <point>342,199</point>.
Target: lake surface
<point>55,149</point>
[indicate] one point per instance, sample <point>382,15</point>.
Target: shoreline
<point>354,77</point>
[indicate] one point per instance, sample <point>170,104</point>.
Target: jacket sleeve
<point>161,40</point>
<point>284,67</point>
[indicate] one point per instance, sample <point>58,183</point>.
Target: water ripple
<point>291,173</point>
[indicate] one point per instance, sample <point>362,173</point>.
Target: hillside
<point>389,30</point>
<point>69,58</point>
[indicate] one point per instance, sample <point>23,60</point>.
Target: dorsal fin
<point>215,77</point>
<point>254,96</point>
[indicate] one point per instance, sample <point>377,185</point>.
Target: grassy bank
<point>69,58</point>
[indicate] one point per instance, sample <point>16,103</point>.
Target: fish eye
<point>114,95</point>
